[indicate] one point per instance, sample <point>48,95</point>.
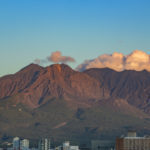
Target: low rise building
<point>24,144</point>
<point>103,145</point>
<point>44,144</point>
<point>74,147</point>
<point>132,142</point>
<point>16,143</point>
<point>66,146</point>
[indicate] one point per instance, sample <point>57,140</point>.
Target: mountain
<point>33,85</point>
<point>132,86</point>
<point>61,103</point>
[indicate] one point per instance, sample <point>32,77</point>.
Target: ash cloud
<point>55,57</point>
<point>137,60</point>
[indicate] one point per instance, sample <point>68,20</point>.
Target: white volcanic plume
<point>137,60</point>
<point>55,57</point>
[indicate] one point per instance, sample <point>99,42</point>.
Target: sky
<point>81,29</point>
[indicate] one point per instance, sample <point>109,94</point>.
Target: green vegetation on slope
<point>57,120</point>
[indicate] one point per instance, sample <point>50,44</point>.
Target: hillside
<point>61,103</point>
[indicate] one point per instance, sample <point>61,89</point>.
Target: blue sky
<point>83,29</point>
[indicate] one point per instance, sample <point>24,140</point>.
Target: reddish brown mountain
<point>35,85</point>
<point>60,102</point>
<point>132,86</point>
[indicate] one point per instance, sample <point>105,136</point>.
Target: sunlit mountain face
<point>64,103</point>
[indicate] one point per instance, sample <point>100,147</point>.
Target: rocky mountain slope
<point>62,103</point>
<point>132,86</point>
<point>34,84</point>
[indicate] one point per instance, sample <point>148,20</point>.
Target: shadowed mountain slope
<point>132,86</point>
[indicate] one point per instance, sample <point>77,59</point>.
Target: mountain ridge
<point>61,102</point>
<point>60,81</point>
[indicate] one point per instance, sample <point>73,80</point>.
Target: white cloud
<point>137,60</point>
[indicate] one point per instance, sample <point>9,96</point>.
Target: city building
<point>16,143</point>
<point>103,145</point>
<point>24,144</point>
<point>74,147</point>
<point>44,144</point>
<point>67,146</point>
<point>132,142</point>
<point>58,148</point>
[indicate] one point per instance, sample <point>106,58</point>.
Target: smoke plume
<point>55,57</point>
